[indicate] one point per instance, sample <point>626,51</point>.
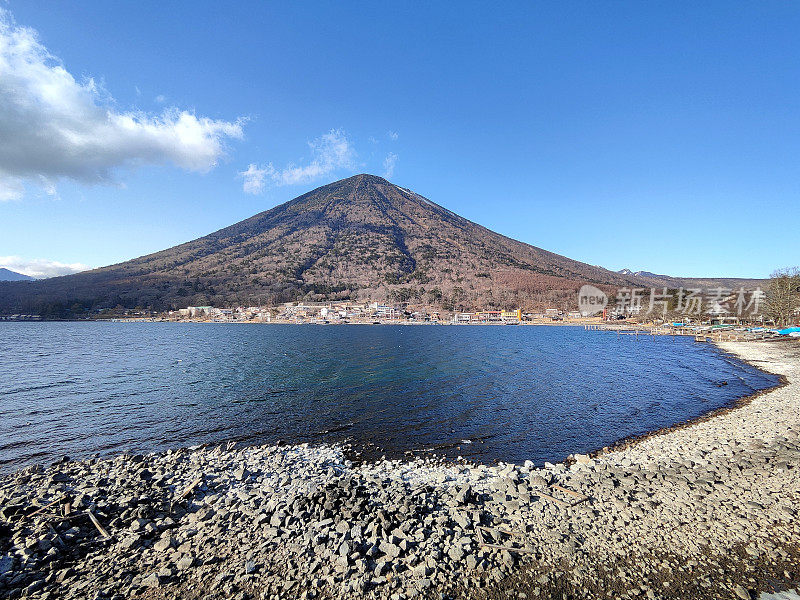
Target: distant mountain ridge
<point>648,279</point>
<point>639,273</point>
<point>361,238</point>
<point>9,275</point>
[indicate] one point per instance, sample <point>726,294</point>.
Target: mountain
<point>360,238</point>
<point>638,273</point>
<point>653,280</point>
<point>8,275</point>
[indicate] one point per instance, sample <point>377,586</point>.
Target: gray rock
<point>139,524</point>
<point>538,481</point>
<point>130,542</point>
<point>153,581</point>
<point>34,587</point>
<point>424,584</point>
<point>464,495</point>
<point>342,564</point>
<point>462,520</point>
<point>741,592</point>
<point>166,572</point>
<point>389,549</point>
<point>342,527</point>
<point>165,543</point>
<point>421,570</point>
<point>6,564</point>
<point>455,553</point>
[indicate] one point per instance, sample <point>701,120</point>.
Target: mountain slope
<point>9,275</point>
<point>359,238</point>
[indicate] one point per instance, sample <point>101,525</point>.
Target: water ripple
<point>513,393</point>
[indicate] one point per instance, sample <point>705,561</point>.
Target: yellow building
<point>511,314</point>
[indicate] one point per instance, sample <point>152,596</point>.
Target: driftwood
<point>581,497</point>
<point>70,516</point>
<point>43,508</point>
<point>100,528</point>
<point>191,487</point>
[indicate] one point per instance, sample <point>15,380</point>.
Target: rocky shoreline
<point>705,511</point>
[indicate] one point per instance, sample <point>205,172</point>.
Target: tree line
<point>783,296</point>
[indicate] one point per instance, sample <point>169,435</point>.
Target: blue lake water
<point>484,392</point>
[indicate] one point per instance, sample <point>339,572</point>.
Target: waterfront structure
<point>199,311</point>
<point>510,316</point>
<point>384,311</point>
<point>342,312</point>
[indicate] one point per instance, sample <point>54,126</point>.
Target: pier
<point>699,333</point>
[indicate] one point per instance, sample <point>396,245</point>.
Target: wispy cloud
<point>392,135</point>
<point>255,178</point>
<point>40,267</point>
<point>330,152</point>
<point>53,127</point>
<point>160,99</point>
<point>389,163</point>
<point>11,189</point>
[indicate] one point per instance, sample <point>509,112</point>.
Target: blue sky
<point>656,136</point>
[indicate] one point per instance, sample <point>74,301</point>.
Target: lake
<point>487,393</point>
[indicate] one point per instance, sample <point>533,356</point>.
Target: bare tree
<point>783,296</point>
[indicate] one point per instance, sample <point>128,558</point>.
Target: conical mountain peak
<point>359,238</point>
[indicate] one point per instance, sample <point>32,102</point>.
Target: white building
<point>199,311</point>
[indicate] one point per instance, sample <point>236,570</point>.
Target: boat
<point>789,331</point>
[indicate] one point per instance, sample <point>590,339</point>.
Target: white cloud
<point>40,267</point>
<point>330,152</point>
<point>53,127</point>
<point>389,164</point>
<point>160,99</point>
<point>255,178</point>
<point>11,188</point>
<point>392,135</point>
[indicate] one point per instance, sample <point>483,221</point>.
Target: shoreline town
<point>706,511</point>
<point>724,326</point>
